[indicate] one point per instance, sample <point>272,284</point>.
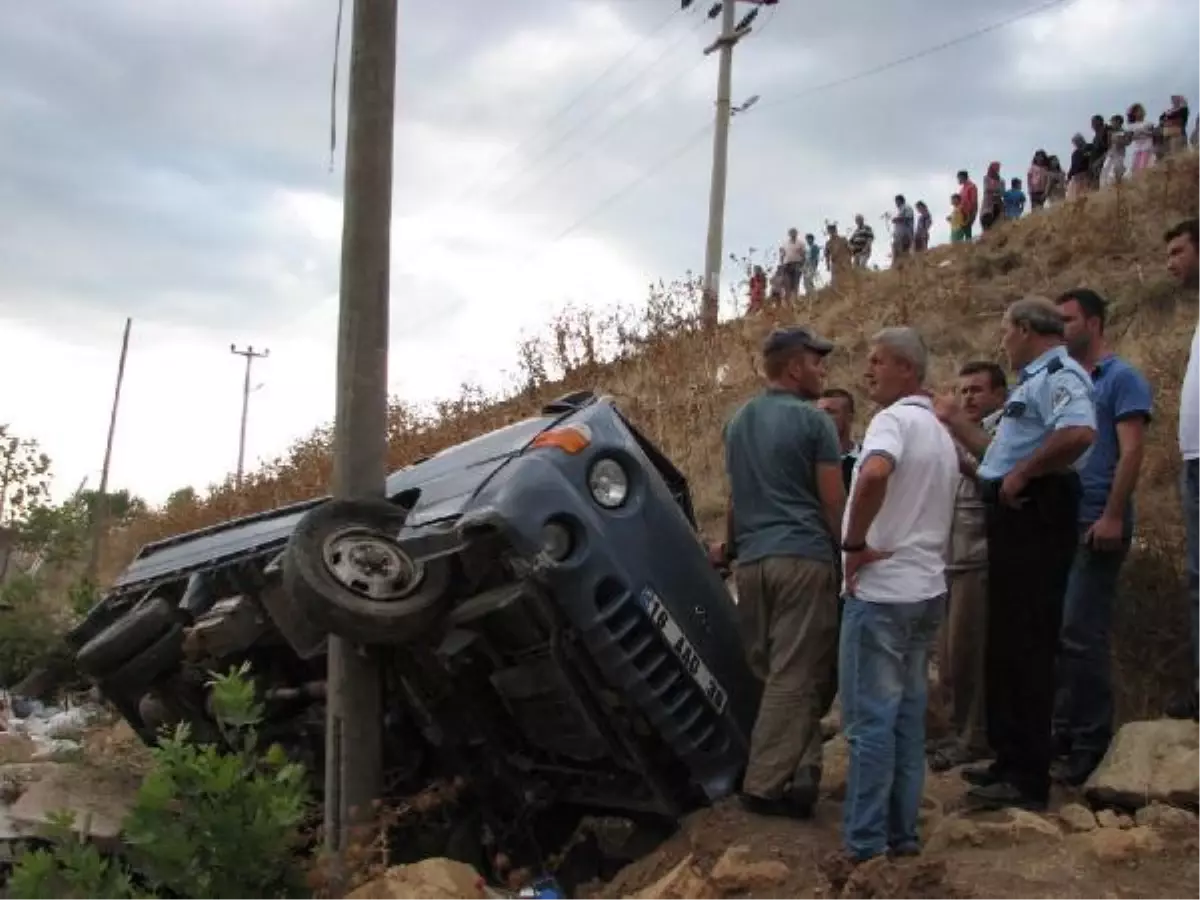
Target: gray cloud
<point>143,145</point>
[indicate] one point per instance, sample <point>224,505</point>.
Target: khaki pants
<point>962,650</point>
<point>787,609</point>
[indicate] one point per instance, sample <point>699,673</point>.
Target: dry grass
<point>680,382</point>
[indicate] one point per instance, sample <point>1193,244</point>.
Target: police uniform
<point>1030,551</point>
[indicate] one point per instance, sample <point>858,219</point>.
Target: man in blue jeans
<point>1184,264</point>
<point>894,539</point>
<point>1083,710</point>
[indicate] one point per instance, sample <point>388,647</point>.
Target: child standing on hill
<point>1014,200</point>
<point>758,289</point>
<point>957,220</point>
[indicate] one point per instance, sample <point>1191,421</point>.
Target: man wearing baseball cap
<point>786,496</point>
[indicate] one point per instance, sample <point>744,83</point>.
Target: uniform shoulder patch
<point>1060,396</point>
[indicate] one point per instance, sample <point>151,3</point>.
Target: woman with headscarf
<point>1037,179</point>
<point>924,223</point>
<point>1056,181</point>
<point>1140,134</point>
<point>991,208</point>
<point>1113,169</point>
<point>1174,124</point>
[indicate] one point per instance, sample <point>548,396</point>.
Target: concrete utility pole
<point>730,35</point>
<point>251,356</point>
<point>100,513</point>
<point>354,739</point>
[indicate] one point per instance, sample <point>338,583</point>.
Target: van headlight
<point>608,483</point>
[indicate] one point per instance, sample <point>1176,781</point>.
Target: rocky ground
<point>1131,832</point>
<point>1070,851</point>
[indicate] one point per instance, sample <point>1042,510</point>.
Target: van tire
<point>323,595</point>
<point>126,637</point>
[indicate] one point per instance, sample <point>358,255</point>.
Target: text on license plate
<point>673,634</point>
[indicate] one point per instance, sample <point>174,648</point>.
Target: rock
<point>955,831</point>
<point>685,880</point>
<point>429,878</point>
<point>1012,826</point>
<point>1077,817</point>
<point>737,871</point>
<point>16,748</point>
<point>835,764</point>
<point>1168,818</point>
<point>930,812</point>
<point>1108,818</point>
<point>1149,761</point>
<point>98,801</point>
<point>1114,845</point>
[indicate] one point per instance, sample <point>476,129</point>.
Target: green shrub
<point>73,869</point>
<point>207,822</point>
<point>28,633</point>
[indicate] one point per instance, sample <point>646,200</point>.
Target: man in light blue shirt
<point>1030,482</point>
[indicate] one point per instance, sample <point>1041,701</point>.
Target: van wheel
<point>126,637</point>
<point>162,656</point>
<point>345,570</point>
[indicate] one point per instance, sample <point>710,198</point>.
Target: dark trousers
<point>1030,551</point>
<point>1084,707</point>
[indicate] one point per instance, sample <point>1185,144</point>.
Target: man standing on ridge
<point>791,261</point>
<point>1184,264</point>
<point>786,501</point>
<point>1029,479</point>
<point>861,241</point>
<point>1083,716</point>
<point>812,259</point>
<point>968,202</point>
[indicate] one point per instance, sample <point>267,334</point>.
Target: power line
<point>646,174</point>
<point>920,54</point>
<point>597,139</point>
<point>636,80</point>
<point>536,129</point>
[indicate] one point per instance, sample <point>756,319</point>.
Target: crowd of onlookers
<point>993,519</point>
<point>1118,148</point>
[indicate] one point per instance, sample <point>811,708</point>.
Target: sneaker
<point>1062,745</point>
<point>778,807</point>
<point>982,776</point>
<point>1003,794</point>
<point>1077,767</point>
<point>1183,707</point>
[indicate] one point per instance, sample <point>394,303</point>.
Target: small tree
<point>208,821</point>
<point>24,476</point>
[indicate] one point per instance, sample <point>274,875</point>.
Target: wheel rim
<point>370,565</point>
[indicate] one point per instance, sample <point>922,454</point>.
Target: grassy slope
<point>679,384</point>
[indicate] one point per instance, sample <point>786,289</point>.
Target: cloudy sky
<point>169,161</point>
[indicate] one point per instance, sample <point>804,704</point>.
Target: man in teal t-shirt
<point>784,467</point>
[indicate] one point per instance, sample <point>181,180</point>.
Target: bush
<point>29,634</point>
<point>207,821</point>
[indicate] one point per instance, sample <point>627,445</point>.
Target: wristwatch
<point>854,548</point>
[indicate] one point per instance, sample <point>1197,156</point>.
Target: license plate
<point>674,636</point>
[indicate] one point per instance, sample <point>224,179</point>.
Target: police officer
<point>1029,479</point>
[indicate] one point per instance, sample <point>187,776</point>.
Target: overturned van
<point>554,638</point>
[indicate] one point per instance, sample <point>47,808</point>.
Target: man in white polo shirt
<point>894,538</point>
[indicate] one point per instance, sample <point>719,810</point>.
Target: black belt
<point>989,488</point>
